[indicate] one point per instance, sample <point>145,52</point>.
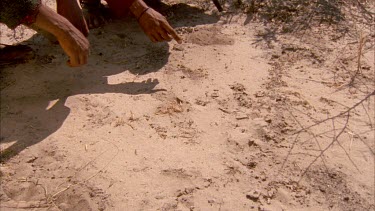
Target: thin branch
<point>368,116</point>
<point>324,150</point>
<point>338,142</point>
<point>338,115</point>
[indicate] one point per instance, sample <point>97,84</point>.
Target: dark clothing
<point>16,12</point>
<point>120,8</point>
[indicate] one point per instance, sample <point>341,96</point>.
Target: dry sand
<point>235,118</point>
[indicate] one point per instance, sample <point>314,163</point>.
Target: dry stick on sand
<point>92,176</point>
<point>338,115</point>
<point>362,40</point>
<point>335,138</point>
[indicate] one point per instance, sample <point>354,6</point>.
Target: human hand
<point>76,46</point>
<point>156,27</point>
<point>72,11</point>
<point>73,42</point>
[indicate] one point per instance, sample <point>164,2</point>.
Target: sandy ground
<point>235,118</point>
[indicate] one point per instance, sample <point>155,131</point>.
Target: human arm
<point>72,11</point>
<point>153,23</point>
<point>73,42</point>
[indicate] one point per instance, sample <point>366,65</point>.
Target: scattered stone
<point>275,56</point>
<point>260,94</point>
<point>32,159</point>
<point>268,119</point>
<point>271,193</point>
<point>251,165</point>
<point>253,195</point>
<point>215,95</point>
<point>322,189</point>
<point>240,116</point>
<point>201,102</point>
<point>224,110</point>
<point>252,143</point>
<point>178,48</point>
<point>211,201</point>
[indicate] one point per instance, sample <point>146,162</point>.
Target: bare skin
<point>70,28</point>
<point>71,10</point>
<point>155,25</point>
<point>73,42</point>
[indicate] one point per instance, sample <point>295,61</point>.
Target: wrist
<point>138,8</point>
<point>144,11</point>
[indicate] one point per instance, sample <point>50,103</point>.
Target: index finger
<point>172,32</point>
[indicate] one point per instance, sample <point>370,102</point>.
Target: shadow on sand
<point>27,89</point>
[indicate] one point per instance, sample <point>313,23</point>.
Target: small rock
<point>215,95</point>
<point>271,193</point>
<point>253,195</point>
<point>240,116</point>
<point>178,48</point>
<point>92,194</point>
<point>268,119</point>
<point>251,165</point>
<point>260,94</point>
<point>251,143</point>
<point>299,195</point>
<point>322,189</point>
<point>32,159</point>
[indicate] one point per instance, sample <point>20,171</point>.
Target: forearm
<point>73,42</point>
<point>53,23</point>
<point>72,11</point>
<point>138,7</point>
